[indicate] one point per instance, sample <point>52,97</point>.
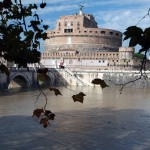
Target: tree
<point>19,41</point>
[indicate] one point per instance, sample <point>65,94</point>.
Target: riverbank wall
<point>131,79</point>
<point>64,77</point>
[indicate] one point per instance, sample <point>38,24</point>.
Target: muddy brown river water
<point>107,120</point>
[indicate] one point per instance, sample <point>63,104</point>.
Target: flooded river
<point>107,120</point>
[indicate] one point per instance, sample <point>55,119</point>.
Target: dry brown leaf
<point>44,122</point>
<point>100,82</point>
<point>51,116</point>
<point>47,112</point>
<point>79,97</point>
<point>56,91</point>
<point>37,112</point>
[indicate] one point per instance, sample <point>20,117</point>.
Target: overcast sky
<point>112,14</point>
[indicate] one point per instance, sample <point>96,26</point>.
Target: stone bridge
<point>23,78</point>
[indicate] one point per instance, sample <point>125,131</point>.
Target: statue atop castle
<point>81,9</point>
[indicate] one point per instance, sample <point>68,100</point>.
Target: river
<point>107,120</point>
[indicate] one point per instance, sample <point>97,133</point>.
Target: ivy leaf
<point>79,97</point>
<point>45,27</point>
<point>133,31</point>
<point>44,36</point>
<point>37,112</point>
<point>56,91</point>
<point>133,41</point>
<point>135,34</point>
<point>100,82</point>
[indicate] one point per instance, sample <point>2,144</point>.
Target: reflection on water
<point>107,120</point>
<point>23,101</point>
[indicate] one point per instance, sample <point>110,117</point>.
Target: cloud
<point>121,19</point>
<point>48,1</point>
<point>112,14</point>
<point>56,9</point>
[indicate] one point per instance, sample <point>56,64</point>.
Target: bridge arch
<point>19,80</point>
<point>50,79</point>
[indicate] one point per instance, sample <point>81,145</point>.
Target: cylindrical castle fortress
<point>80,32</point>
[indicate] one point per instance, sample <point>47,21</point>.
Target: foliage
<point>138,36</point>
<point>19,42</point>
<point>44,116</point>
<point>139,55</point>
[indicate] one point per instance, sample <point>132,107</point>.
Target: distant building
<point>77,43</point>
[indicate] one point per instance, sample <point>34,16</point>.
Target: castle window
<point>103,61</point>
<point>95,31</point>
<point>85,31</point>
<point>103,32</point>
<point>90,31</point>
<point>59,24</point>
<point>71,23</point>
<point>65,24</point>
<point>78,23</point>
<point>99,61</point>
<point>68,30</point>
<point>79,31</point>
<point>117,34</point>
<point>111,33</point>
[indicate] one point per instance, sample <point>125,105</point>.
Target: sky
<point>111,14</point>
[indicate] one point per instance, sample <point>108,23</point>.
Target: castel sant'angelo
<point>79,44</point>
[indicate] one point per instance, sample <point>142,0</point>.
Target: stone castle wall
<point>87,40</point>
<point>122,60</point>
<point>80,32</point>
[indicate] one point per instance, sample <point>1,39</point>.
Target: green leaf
<point>133,31</point>
<point>133,41</point>
<point>45,27</point>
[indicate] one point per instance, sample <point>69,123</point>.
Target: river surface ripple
<point>107,120</point>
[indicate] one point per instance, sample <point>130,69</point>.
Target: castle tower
<point>80,32</point>
<point>126,53</point>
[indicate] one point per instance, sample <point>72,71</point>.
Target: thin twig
<point>144,17</point>
<point>23,16</point>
